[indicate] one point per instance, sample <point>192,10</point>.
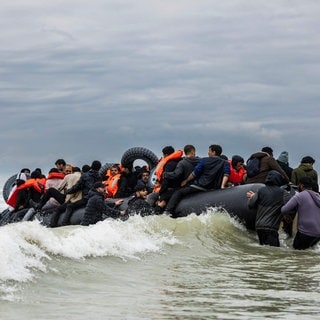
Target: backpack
<point>253,167</point>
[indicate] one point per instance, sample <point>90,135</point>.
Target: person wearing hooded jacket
<point>307,204</point>
<point>268,200</point>
<point>96,206</point>
<point>305,169</point>
<point>267,163</point>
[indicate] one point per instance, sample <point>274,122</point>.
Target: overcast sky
<point>85,80</point>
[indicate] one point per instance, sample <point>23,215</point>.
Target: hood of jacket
<point>315,197</point>
<point>306,167</point>
<point>274,178</point>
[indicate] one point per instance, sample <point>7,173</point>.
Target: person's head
<point>68,169</point>
<point>85,168</point>
<point>21,178</point>
<point>126,168</point>
<point>305,183</point>
<point>96,165</point>
<point>189,150</point>
<point>27,171</point>
<point>166,151</point>
<point>53,170</point>
<point>100,187</point>
<point>284,157</point>
<point>76,169</point>
<point>274,178</point>
<point>141,191</point>
<point>215,150</point>
<point>145,176</point>
<point>60,164</point>
<point>114,169</point>
<point>36,174</point>
<point>267,150</point>
<point>308,159</point>
<point>237,162</point>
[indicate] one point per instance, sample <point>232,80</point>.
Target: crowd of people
<point>178,174</point>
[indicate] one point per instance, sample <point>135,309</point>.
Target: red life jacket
<point>37,184</point>
<point>236,177</point>
<point>112,185</point>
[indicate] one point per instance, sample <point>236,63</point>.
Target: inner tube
<point>139,153</point>
<point>8,187</point>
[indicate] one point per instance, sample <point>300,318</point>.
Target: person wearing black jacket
<point>268,200</point>
<point>96,206</point>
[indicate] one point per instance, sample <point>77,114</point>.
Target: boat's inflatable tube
<point>233,200</point>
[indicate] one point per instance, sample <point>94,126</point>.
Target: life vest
<point>37,184</point>
<point>236,177</point>
<point>112,185</point>
<point>56,175</point>
<point>163,161</point>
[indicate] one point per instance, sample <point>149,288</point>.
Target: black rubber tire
<point>104,168</point>
<point>139,153</point>
<point>8,187</point>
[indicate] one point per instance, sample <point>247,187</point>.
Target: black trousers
<point>268,237</point>
<point>302,241</point>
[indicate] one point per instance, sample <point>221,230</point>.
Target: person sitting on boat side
<point>84,184</point>
<point>267,163</point>
<point>305,169</point>
<point>307,205</point>
<point>238,173</point>
<point>283,161</point>
<point>211,172</point>
<point>56,195</point>
<point>138,204</point>
<point>166,164</point>
<point>181,172</point>
<point>96,206</point>
<point>268,200</point>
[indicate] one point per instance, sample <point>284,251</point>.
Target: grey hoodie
<point>307,203</point>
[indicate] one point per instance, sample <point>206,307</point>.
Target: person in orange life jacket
<point>267,163</point>
<point>85,183</point>
<point>181,172</point>
<point>211,172</point>
<point>112,181</point>
<point>170,159</point>
<point>238,173</point>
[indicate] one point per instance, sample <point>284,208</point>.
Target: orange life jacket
<point>236,177</point>
<point>162,162</point>
<point>112,185</point>
<point>56,175</point>
<point>37,184</point>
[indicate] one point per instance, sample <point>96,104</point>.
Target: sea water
<point>198,267</point>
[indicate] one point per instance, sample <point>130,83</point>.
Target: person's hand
<point>119,202</point>
<point>250,194</point>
